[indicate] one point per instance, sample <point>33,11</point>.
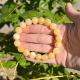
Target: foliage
<point>13,13</point>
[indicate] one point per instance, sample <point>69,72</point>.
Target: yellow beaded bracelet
<point>26,52</point>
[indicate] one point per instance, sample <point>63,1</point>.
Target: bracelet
<point>26,52</point>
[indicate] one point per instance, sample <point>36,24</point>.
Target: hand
<point>69,55</point>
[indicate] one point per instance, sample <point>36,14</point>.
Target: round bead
<point>41,20</point>
<point>51,55</point>
<point>35,20</point>
<point>44,57</point>
<point>17,43</point>
<point>20,48</point>
<point>32,55</point>
<point>16,36</point>
<point>58,38</point>
<point>55,50</point>
<point>47,22</point>
<point>53,26</point>
<point>22,24</point>
<point>26,52</point>
<point>58,44</point>
<point>18,30</point>
<point>38,56</point>
<point>57,31</point>
<point>28,21</point>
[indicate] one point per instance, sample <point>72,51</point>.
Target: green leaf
<point>5,9</point>
<point>13,18</point>
<point>2,54</point>
<point>22,62</point>
<point>19,12</point>
<point>31,14</point>
<point>42,64</point>
<point>66,72</point>
<point>9,64</point>
<point>60,73</point>
<point>23,78</point>
<point>48,15</point>
<point>17,55</point>
<point>28,64</point>
<point>41,2</point>
<point>53,4</point>
<point>66,20</point>
<point>12,6</point>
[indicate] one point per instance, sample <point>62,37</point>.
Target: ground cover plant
<point>12,13</point>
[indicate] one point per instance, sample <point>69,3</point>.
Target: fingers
<point>71,13</point>
<point>39,29</point>
<point>43,48</point>
<point>36,38</point>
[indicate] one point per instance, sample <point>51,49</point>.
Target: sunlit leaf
<point>2,54</point>
<point>9,64</point>
<point>31,14</point>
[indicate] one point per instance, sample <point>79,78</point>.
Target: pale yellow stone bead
<point>16,36</point>
<point>20,48</point>
<point>58,44</point>
<point>57,31</point>
<point>38,56</point>
<point>51,55</point>
<point>26,52</point>
<point>34,20</point>
<point>28,21</point>
<point>55,50</point>
<point>18,30</point>
<point>58,38</point>
<point>17,43</point>
<point>44,57</point>
<point>47,22</point>
<point>32,55</point>
<point>41,20</point>
<point>53,26</point>
<point>22,24</point>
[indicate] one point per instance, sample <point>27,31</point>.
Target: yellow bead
<point>35,20</point>
<point>28,21</point>
<point>55,50</point>
<point>38,56</point>
<point>58,44</point>
<point>53,26</point>
<point>26,52</point>
<point>18,30</point>
<point>20,48</point>
<point>22,24</point>
<point>41,20</point>
<point>16,36</point>
<point>58,38</point>
<point>17,43</point>
<point>57,31</point>
<point>47,22</point>
<point>44,57</point>
<point>32,55</point>
<point>51,55</point>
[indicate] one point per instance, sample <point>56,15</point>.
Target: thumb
<point>71,13</point>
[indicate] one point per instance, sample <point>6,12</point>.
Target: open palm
<point>42,36</point>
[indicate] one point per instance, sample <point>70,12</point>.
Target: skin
<point>69,55</point>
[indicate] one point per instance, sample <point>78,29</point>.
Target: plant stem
<point>4,71</point>
<point>16,68</point>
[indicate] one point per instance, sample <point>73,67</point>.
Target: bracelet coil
<point>26,52</point>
